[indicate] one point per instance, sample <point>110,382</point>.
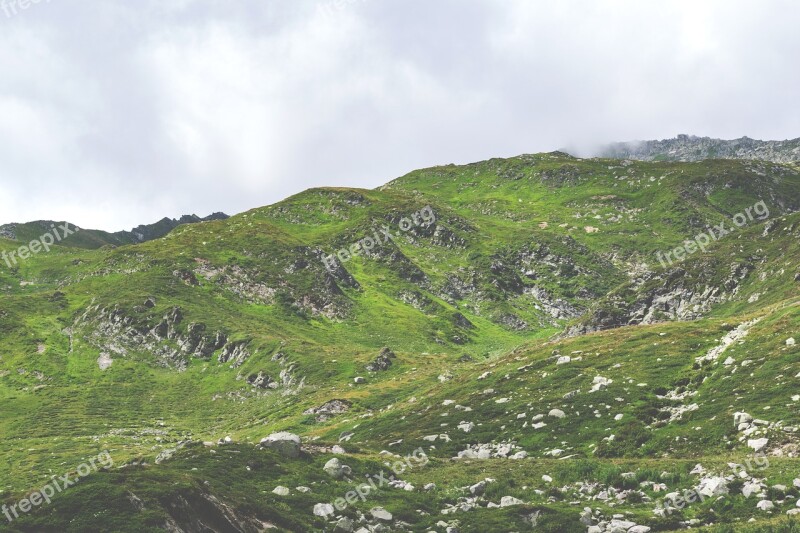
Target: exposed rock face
<point>116,331</point>
<point>235,353</point>
<point>691,148</point>
<point>262,381</point>
<point>555,307</point>
<point>671,295</point>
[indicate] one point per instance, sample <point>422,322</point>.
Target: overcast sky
<point>120,112</point>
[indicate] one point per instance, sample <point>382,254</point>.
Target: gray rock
<point>507,501</point>
<point>379,513</point>
<point>765,505</point>
<point>336,469</point>
<point>286,444</point>
<point>741,418</point>
<point>323,509</point>
<point>758,444</point>
<point>478,488</point>
<point>344,525</point>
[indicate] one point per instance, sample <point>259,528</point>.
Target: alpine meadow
<point>594,336</point>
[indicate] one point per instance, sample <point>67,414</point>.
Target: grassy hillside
<point>509,289</point>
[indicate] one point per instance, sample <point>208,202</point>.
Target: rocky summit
<point>692,148</point>
<point>540,343</point>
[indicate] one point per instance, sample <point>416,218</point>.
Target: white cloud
<point>116,114</point>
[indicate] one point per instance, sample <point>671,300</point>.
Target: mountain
<point>489,347</point>
<point>92,239</point>
<point>692,148</point>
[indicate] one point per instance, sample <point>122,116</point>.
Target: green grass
<point>257,277</point>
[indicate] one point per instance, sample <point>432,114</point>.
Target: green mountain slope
<point>507,290</point>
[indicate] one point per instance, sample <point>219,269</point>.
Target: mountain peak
<point>685,147</point>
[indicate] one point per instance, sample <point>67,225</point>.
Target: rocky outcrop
<point>329,409</point>
<point>668,296</point>
<point>235,353</point>
<point>692,148</point>
<point>383,361</point>
<point>116,331</point>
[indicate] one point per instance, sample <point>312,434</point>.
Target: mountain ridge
<point>693,148</point>
<point>179,355</point>
<point>92,238</point>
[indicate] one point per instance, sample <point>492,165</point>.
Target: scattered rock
<point>329,409</point>
<point>104,361</point>
<point>741,418</point>
<point>466,427</point>
<point>344,525</point>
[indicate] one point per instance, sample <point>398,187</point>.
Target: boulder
<point>557,413</point>
<point>323,509</point>
<point>285,443</point>
<point>336,469</point>
<point>751,488</point>
<point>758,444</point>
<point>478,488</point>
<point>765,505</point>
<point>379,513</point>
<point>507,501</point>
<point>712,486</point>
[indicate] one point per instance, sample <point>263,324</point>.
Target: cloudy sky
<point>120,112</point>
